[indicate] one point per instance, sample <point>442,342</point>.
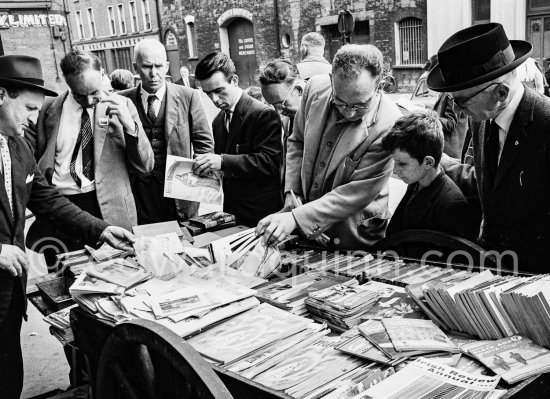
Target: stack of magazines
<point>425,378</point>
<point>343,306</point>
<point>291,294</point>
<point>60,325</point>
<point>392,341</point>
<point>488,306</point>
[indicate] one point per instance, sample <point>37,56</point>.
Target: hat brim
<point>22,84</point>
<point>522,51</point>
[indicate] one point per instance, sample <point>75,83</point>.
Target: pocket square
<point>29,179</point>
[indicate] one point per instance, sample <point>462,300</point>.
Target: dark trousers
<point>11,359</point>
<point>151,205</point>
<point>47,237</point>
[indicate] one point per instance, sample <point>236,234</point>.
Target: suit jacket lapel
<point>516,138</point>
<point>236,120</point>
<point>172,107</point>
<point>319,110</point>
<point>51,127</point>
<point>99,132</point>
<point>18,179</point>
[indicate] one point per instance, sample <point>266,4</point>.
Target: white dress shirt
<point>69,126</point>
<point>504,119</point>
<point>156,105</point>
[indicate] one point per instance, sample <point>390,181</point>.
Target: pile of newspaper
<point>60,325</point>
<point>290,294</point>
<point>488,306</point>
<point>346,305</point>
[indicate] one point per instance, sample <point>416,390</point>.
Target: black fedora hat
<point>22,71</point>
<point>476,55</point>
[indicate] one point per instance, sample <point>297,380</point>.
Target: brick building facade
<point>254,32</point>
<point>38,29</point>
<point>111,29</point>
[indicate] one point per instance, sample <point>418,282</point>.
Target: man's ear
<point>3,92</point>
<point>235,80</point>
<point>135,67</point>
<point>429,162</point>
<point>300,89</point>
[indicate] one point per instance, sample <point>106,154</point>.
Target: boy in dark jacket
<point>432,200</point>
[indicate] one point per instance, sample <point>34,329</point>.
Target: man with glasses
<point>336,165</point>
<point>282,88</point>
<point>511,147</point>
<point>247,143</point>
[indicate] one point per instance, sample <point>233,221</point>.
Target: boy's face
<point>407,167</point>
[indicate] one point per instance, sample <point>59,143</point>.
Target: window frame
<point>112,20</point>
<point>146,5</point>
<point>191,33</point>
<point>91,22</point>
<point>79,24</point>
<point>121,19</point>
<point>134,20</point>
<point>480,21</point>
<point>399,41</point>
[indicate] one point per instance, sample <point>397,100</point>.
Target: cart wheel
<point>142,359</point>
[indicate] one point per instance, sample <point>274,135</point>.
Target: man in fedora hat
<point>511,147</point>
<point>22,185</point>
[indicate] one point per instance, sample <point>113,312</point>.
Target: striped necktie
<point>86,142</point>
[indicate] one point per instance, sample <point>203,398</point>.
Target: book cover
<point>247,332</point>
<point>212,219</point>
<point>415,334</point>
<point>514,358</point>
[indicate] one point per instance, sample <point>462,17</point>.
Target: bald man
<point>175,123</point>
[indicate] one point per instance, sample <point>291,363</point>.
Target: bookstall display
<point>317,324</point>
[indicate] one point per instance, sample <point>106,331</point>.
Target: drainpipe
<point>277,32</point>
<point>160,28</point>
<point>69,34</point>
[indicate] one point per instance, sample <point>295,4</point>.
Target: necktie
<point>186,82</point>
<point>86,142</point>
<point>151,108</point>
<point>6,162</point>
<point>227,119</point>
<point>493,149</point>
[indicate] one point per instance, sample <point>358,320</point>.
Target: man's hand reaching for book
<point>276,227</point>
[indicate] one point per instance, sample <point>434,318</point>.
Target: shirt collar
<point>237,100</point>
<point>504,119</point>
<point>160,92</point>
<point>74,106</point>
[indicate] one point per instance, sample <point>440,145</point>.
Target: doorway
<point>242,50</point>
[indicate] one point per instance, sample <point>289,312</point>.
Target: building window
<point>133,17</point>
<point>146,14</point>
<point>91,22</point>
<point>410,45</point>
<point>170,40</point>
<point>80,25</point>
<point>112,23</point>
<point>121,19</point>
<point>481,11</point>
<point>191,39</point>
